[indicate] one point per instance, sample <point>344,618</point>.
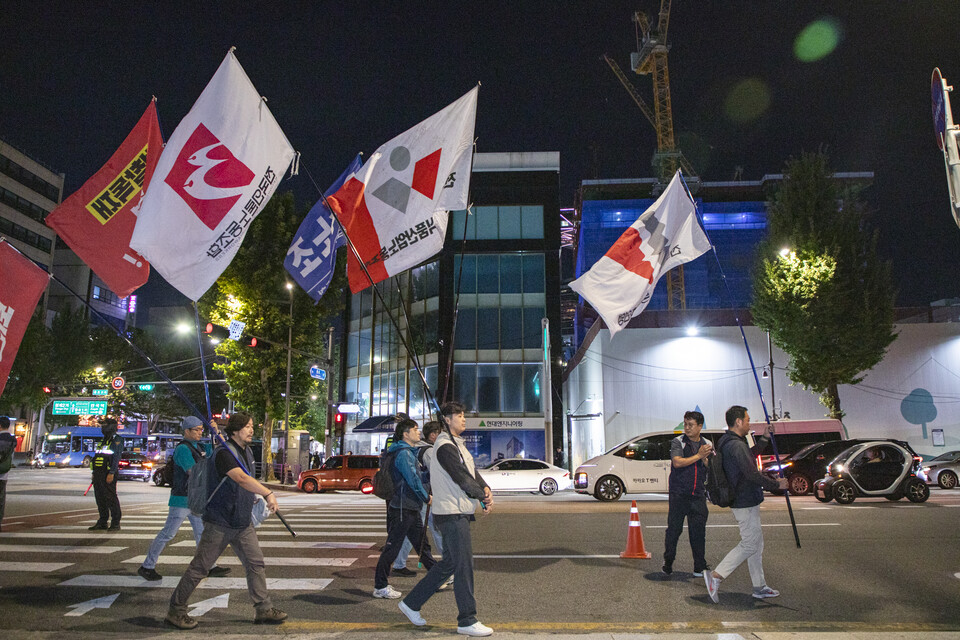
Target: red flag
<point>21,285</point>
<point>98,220</point>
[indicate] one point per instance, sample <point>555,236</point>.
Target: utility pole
<point>773,400</point>
<point>328,440</point>
<point>286,419</point>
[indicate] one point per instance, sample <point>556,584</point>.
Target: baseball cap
<point>190,422</point>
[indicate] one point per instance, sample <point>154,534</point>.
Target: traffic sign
<point>117,383</point>
<point>100,392</point>
<point>145,387</point>
<point>79,407</point>
<point>348,407</point>
<point>318,373</point>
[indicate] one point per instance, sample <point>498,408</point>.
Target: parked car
<point>807,465</point>
<point>794,435</point>
<point>876,468</point>
<point>943,470</point>
<point>523,474</point>
<point>349,473</point>
<point>641,464</point>
<point>134,466</point>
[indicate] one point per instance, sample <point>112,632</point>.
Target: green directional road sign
<point>145,387</point>
<point>79,407</point>
<point>100,392</point>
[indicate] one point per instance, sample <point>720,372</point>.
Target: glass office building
<point>473,316</point>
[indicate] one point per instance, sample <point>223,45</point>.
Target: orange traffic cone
<point>635,547</point>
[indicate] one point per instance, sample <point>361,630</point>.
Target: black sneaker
<point>149,574</point>
<point>270,616</point>
<point>667,568</point>
<point>100,526</point>
<point>218,572</point>
<point>403,571</point>
<point>114,527</point>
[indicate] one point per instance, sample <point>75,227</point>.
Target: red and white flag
<point>98,220</point>
<point>21,285</point>
<point>218,170</point>
<point>621,283</point>
<point>395,208</point>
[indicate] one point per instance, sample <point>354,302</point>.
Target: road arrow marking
<point>202,607</point>
<point>97,603</point>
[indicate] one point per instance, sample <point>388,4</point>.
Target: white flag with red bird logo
<point>395,208</point>
<point>218,170</point>
<point>621,283</point>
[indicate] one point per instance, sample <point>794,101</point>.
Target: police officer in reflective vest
<point>104,465</point>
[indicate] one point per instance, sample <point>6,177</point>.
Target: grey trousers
<point>457,561</point>
<point>212,543</point>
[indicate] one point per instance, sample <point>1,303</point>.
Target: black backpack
<point>719,491</point>
<point>383,479</point>
<point>166,471</point>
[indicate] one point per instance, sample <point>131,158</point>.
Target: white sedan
<point>521,474</point>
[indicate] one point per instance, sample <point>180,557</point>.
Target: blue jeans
<point>175,518</point>
<point>407,547</point>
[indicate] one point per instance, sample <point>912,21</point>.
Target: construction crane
<point>650,58</point>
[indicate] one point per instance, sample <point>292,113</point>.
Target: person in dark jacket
<point>227,521</point>
<point>403,517</point>
<point>748,484</point>
<point>688,499</point>
<point>188,453</point>
<point>104,465</point>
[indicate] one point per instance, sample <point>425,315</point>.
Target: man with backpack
<point>687,497</point>
<point>747,483</point>
<point>188,453</point>
<point>227,520</point>
<point>409,495</point>
<point>8,444</point>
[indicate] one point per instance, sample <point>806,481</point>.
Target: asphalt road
<point>544,565</point>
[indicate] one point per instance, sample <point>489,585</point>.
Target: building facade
<point>477,318</point>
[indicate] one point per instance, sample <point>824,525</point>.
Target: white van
<point>639,465</point>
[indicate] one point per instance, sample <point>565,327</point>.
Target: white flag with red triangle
<point>395,208</point>
<point>619,286</point>
<point>218,170</point>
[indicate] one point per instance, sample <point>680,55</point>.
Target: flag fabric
<point>621,283</point>
<point>395,208</point>
<point>313,255</point>
<point>98,220</point>
<point>21,285</point>
<point>219,168</point>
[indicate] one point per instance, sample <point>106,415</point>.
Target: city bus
<point>76,446</point>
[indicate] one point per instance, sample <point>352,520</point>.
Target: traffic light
<point>47,390</point>
<point>248,341</point>
<point>338,423</point>
<point>216,332</point>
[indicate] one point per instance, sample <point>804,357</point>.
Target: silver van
<point>639,465</point>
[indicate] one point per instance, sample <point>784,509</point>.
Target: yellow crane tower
<point>650,58</point>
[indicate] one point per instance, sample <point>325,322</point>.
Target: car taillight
<point>148,464</point>
<point>124,463</point>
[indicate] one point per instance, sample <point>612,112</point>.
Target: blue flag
<point>313,255</point>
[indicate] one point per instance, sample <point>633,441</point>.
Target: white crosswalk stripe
<point>268,560</point>
<point>40,567</point>
<point>170,582</point>
<point>57,548</point>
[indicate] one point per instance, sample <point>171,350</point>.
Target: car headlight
<point>838,468</point>
<point>926,469</point>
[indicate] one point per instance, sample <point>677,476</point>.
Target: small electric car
<point>873,469</point>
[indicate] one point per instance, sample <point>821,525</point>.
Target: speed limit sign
<point>117,383</point>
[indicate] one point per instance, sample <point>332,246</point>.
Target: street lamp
<point>286,420</point>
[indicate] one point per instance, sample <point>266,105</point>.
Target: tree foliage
<point>253,290</point>
<point>828,300</point>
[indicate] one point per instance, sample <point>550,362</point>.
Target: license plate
<point>52,464</point>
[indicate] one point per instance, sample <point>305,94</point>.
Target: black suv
<point>808,465</point>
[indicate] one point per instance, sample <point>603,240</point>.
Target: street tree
<point>254,290</point>
<point>820,289</point>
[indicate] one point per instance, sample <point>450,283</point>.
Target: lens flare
<point>747,100</point>
<point>817,40</point>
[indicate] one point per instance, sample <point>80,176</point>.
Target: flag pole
<point>203,365</point>
<point>753,368</point>
<point>396,324</point>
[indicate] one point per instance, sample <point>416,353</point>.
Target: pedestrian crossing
<point>62,553</point>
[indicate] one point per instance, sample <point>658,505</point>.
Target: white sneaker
<point>386,592</point>
<point>765,592</point>
<point>476,630</point>
<point>412,616</point>
<point>713,584</point>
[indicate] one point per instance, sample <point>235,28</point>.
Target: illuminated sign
<point>79,407</point>
<point>100,392</point>
<point>145,387</point>
<point>132,304</point>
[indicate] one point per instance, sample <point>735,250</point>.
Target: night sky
<point>343,77</point>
